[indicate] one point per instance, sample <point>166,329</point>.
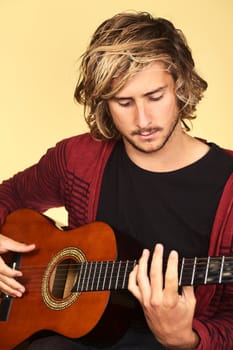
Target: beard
<point>152,149</point>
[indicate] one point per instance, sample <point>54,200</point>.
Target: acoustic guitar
<point>76,280</point>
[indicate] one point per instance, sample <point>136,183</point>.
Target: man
<point>142,173</point>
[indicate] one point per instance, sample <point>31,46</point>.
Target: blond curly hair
<point>122,46</point>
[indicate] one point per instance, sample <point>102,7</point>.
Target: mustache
<point>141,131</point>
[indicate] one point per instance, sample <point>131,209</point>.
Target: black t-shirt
<point>176,208</point>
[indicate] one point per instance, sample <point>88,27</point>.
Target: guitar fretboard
<point>113,275</point>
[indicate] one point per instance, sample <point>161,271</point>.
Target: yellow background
<point>41,40</point>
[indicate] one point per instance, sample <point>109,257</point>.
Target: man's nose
<point>143,117</point>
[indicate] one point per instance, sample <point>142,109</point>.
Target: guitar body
<point>43,306</point>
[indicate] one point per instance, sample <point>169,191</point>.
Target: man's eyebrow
<point>118,98</point>
<point>159,89</point>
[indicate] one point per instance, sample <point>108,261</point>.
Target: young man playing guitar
<point>140,171</point>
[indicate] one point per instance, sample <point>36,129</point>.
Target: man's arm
<point>216,331</point>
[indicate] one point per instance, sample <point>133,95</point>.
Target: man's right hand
<point>8,283</point>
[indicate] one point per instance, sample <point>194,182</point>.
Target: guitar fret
<point>125,274</point>
<point>84,275</point>
<point>207,270</point>
<point>126,268</point>
<point>79,277</point>
<point>114,275</point>
<point>105,275</point>
<point>129,265</point>
<point>181,272</point>
<point>102,275</point>
<point>221,269</point>
<point>194,269</point>
<point>111,274</point>
<point>99,274</point>
<point>89,275</point>
<point>118,273</point>
<point>93,278</point>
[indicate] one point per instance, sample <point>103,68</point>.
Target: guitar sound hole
<point>63,278</point>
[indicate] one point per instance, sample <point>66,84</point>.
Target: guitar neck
<point>113,275</point>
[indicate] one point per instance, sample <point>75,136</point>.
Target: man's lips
<point>146,132</point>
<point>149,133</point>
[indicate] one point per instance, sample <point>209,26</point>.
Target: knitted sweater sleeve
<point>214,322</point>
<point>216,330</point>
<point>38,187</point>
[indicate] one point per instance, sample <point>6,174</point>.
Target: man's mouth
<point>146,132</point>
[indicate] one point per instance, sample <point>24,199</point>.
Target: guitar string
<point>35,287</point>
<point>121,274</point>
<point>188,262</point>
<point>214,265</point>
<point>188,266</point>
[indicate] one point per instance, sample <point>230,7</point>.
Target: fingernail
<point>174,254</point>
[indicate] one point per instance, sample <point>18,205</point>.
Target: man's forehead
<point>149,80</point>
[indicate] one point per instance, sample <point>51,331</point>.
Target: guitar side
<point>73,315</point>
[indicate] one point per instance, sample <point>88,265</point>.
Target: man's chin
<point>144,147</point>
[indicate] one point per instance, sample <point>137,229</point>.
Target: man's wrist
<point>192,344</point>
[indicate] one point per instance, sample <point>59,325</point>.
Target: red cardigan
<point>70,175</point>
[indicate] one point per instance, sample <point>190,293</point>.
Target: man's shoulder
<point>229,151</point>
<point>84,148</point>
<point>85,139</point>
<point>78,139</point>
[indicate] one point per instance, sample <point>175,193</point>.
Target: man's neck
<point>173,156</point>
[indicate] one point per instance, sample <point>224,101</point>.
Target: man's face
<point>145,110</point>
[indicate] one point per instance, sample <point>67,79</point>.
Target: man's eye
<point>156,98</point>
<point>124,103</point>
